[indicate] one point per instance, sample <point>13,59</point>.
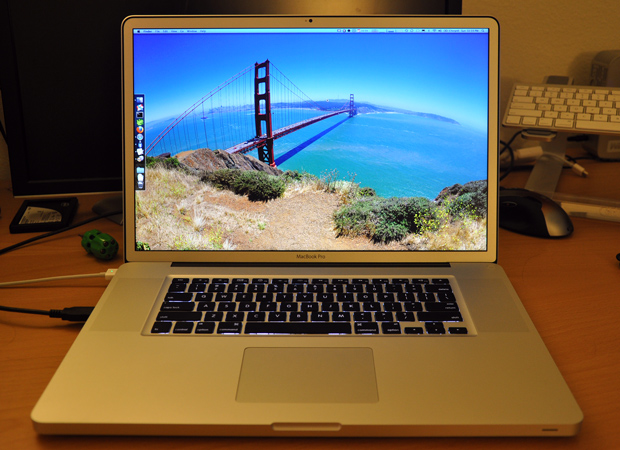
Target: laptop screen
<point>312,140</point>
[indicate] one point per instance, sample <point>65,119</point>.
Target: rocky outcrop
<point>205,160</point>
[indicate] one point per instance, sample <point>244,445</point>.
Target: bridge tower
<point>262,112</point>
<point>352,108</point>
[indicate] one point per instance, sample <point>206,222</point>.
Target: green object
<point>101,245</point>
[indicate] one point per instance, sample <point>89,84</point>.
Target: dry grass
<point>177,211</point>
<point>463,234</point>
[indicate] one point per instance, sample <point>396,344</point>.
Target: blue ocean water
<point>398,155</point>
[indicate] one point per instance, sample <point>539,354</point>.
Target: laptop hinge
<point>417,265</point>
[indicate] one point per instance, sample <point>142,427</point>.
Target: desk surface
<point>569,287</point>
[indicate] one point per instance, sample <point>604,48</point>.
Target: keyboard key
<point>440,316</point>
<point>390,328</point>
<point>229,328</point>
<point>177,316</point>
<point>414,330</point>
<point>435,328</point>
<point>297,328</point>
<point>366,328</point>
<point>457,330</point>
<point>161,327</point>
<point>183,327</point>
<point>205,328</point>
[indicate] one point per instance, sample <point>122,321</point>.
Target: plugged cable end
<point>109,274</point>
<point>73,314</point>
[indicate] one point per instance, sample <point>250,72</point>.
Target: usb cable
<point>72,314</point>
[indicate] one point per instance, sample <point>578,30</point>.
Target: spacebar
<point>297,328</point>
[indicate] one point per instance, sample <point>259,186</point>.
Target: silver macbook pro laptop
<point>310,240</point>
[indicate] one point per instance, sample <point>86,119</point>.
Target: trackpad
<point>308,375</point>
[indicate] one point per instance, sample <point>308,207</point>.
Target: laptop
<point>310,240</point>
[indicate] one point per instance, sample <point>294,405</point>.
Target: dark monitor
<point>60,73</point>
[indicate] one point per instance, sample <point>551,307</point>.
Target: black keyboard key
<point>178,306</point>
<point>330,306</point>
<point>179,297</point>
<point>197,287</point>
<point>438,288</point>
<point>305,297</point>
<point>224,297</point>
<point>457,330</point>
<point>229,328</point>
<point>244,297</point>
<point>405,317</point>
<point>204,297</point>
<point>366,328</point>
<point>390,328</point>
<point>200,280</point>
<point>440,316</point>
<point>351,307</point>
<point>284,297</point>
<point>372,306</point>
<point>248,306</point>
<point>412,306</point>
<point>309,307</point>
<point>341,317</point>
<point>268,306</point>
<point>297,328</point>
<point>289,307</point>
<point>214,316</point>
<point>177,287</point>
<point>256,288</point>
<point>221,280</point>
<point>392,306</point>
<point>384,317</point>
<point>205,328</point>
<point>362,317</point>
<point>298,317</point>
<point>183,327</point>
<point>178,316</point>
<point>277,316</point>
<point>256,317</point>
<point>443,306</point>
<point>235,316</point>
<point>205,306</point>
<point>226,306</point>
<point>414,330</point>
<point>216,288</point>
<point>435,328</point>
<point>320,317</point>
<point>161,327</point>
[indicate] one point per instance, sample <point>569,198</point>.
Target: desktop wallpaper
<point>375,139</point>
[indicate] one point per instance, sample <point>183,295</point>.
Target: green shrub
<point>471,204</point>
<point>258,186</point>
<point>386,219</point>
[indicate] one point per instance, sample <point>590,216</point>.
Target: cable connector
<point>73,314</point>
<point>109,274</point>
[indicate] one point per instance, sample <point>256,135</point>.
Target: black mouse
<point>533,214</point>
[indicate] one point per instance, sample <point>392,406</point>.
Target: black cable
<point>73,314</point>
<point>508,148</point>
<point>52,233</point>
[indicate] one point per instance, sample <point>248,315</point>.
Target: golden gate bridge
<point>248,111</point>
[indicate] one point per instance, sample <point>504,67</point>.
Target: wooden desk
<point>570,288</point>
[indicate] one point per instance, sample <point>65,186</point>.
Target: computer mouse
<point>533,214</point>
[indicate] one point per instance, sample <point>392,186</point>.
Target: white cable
<point>107,275</point>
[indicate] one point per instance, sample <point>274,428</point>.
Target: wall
<point>549,37</point>
<point>538,38</point>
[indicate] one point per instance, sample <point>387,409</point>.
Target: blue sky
<point>442,74</point>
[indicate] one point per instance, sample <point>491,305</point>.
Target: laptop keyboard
<point>303,306</point>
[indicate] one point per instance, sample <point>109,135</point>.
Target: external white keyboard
<point>564,108</point>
